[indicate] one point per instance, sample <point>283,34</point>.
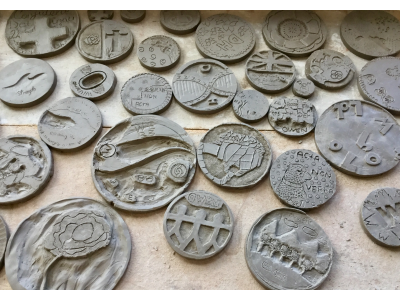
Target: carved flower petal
<point>309,39</point>
<point>277,38</point>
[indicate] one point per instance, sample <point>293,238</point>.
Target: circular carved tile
<point>292,116</point>
<point>198,224</point>
<point>70,124</point>
<point>359,138</point>
<point>27,82</point>
<point>143,163</point>
<point>287,250</point>
<point>158,53</point>
<point>204,86</point>
<point>26,168</point>
<point>294,32</point>
<point>379,216</point>
<point>302,179</point>
<point>378,82</point>
<point>105,42</point>
<point>180,21</point>
<point>234,155</point>
<point>250,106</point>
<point>146,93</point>
<point>93,81</point>
<point>270,71</point>
<point>225,37</point>
<point>371,34</point>
<point>41,33</point>
<point>329,69</point>
<point>80,237</point>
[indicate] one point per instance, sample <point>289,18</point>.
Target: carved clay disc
<point>371,34</point>
<point>158,53</point>
<point>225,37</point>
<point>105,42</point>
<point>143,163</point>
<point>70,124</point>
<point>93,81</point>
<point>380,217</point>
<point>132,16</point>
<point>303,87</point>
<point>302,179</point>
<point>204,86</point>
<point>180,21</point>
<point>41,33</point>
<point>185,220</point>
<point>98,15</point>
<point>270,71</point>
<point>75,244</point>
<point>146,93</point>
<point>250,106</point>
<point>379,82</point>
<point>329,69</point>
<point>26,166</point>
<point>26,82</point>
<point>234,155</point>
<point>292,116</point>
<point>286,249</point>
<point>3,240</point>
<point>294,32</point>
<point>359,138</point>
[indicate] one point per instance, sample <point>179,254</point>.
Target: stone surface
<point>234,155</point>
<point>26,166</point>
<point>358,263</point>
<point>36,33</point>
<point>250,106</point>
<point>288,250</point>
<point>379,81</point>
<point>145,94</point>
<point>180,21</point>
<point>225,37</point>
<point>4,235</point>
<point>186,220</point>
<point>93,81</point>
<point>302,179</point>
<point>359,138</point>
<point>295,33</point>
<point>329,69</point>
<point>371,34</point>
<point>80,237</point>
<point>132,16</point>
<point>104,41</point>
<point>26,82</point>
<point>143,163</point>
<point>158,53</point>
<point>70,124</point>
<point>380,216</point>
<point>292,116</point>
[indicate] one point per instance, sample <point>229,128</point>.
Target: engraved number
<point>373,159</point>
<point>344,106</point>
<point>334,145</point>
<point>346,163</point>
